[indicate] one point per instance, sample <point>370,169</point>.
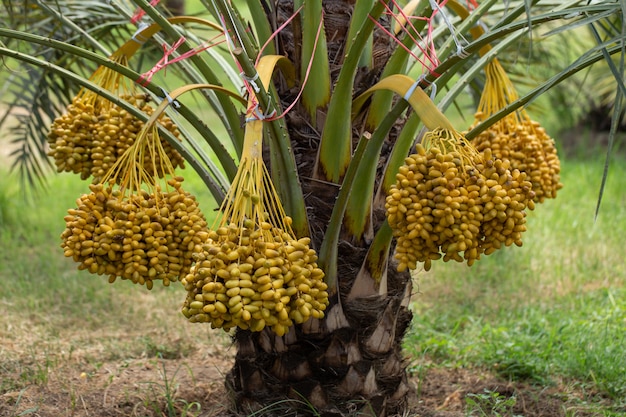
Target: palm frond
<point>36,98</point>
<point>618,104</point>
<point>40,93</point>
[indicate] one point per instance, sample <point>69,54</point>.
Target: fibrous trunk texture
<point>351,362</point>
<point>317,369</point>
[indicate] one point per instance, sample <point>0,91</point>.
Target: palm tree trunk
<point>351,361</point>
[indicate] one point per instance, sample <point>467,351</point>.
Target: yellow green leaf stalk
<point>253,272</point>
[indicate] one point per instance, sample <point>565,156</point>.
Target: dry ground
<point>81,372</point>
<point>134,366</point>
<point>137,388</point>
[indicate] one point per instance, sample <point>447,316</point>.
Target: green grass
<point>53,314</point>
<point>550,312</point>
<point>488,404</point>
<point>59,322</point>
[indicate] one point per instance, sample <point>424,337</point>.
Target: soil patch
<point>193,386</point>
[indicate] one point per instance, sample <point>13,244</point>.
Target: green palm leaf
<point>37,91</point>
<point>331,169</point>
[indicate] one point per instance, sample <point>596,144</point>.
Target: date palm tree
<point>337,123</point>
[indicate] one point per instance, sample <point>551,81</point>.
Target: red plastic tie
<point>429,60</point>
<point>139,13</point>
<point>276,32</point>
<point>306,74</point>
<point>429,67</point>
<point>145,78</point>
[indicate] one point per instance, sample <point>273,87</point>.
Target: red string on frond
<point>139,13</point>
<point>146,77</point>
<point>430,60</point>
<point>430,67</point>
<point>407,20</point>
<point>472,4</point>
<point>441,4</point>
<point>308,69</point>
<point>253,111</point>
<point>276,32</point>
<point>458,39</point>
<point>431,27</point>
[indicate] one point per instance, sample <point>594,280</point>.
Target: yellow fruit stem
<point>128,170</point>
<point>452,141</point>
<point>109,80</point>
<point>499,92</point>
<point>252,195</point>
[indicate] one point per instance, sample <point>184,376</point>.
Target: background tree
<point>334,130</point>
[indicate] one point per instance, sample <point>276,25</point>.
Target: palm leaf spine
<point>215,188</point>
<point>291,195</point>
<point>328,254</point>
<point>336,142</point>
<point>316,90</point>
<point>226,110</point>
